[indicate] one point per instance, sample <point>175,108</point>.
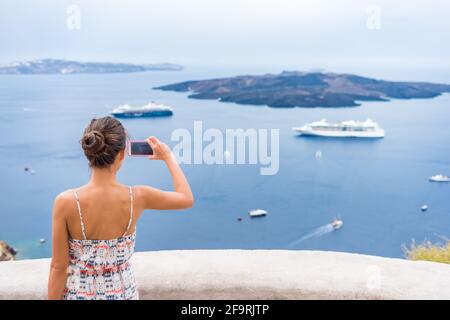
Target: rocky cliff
<point>7,253</point>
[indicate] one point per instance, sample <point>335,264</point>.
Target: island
<point>56,66</point>
<point>305,89</point>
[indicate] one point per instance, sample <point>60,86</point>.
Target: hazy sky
<point>229,31</point>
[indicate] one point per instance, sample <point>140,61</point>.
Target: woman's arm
<point>60,250</point>
<point>181,197</point>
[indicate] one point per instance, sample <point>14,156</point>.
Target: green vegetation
<point>428,251</point>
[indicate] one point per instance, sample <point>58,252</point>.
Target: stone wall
<point>256,274</point>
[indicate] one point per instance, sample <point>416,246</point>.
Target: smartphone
<point>139,148</point>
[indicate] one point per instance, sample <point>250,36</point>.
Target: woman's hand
<point>160,150</point>
<point>182,197</point>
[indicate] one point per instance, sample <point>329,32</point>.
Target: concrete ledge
<point>256,274</point>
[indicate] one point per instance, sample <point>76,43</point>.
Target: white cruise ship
<point>439,178</point>
<point>151,109</point>
<point>345,129</point>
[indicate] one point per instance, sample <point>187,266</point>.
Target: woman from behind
<point>94,226</point>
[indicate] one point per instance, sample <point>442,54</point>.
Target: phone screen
<point>140,148</point>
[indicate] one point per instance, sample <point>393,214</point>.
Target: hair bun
<point>102,140</point>
<point>93,143</point>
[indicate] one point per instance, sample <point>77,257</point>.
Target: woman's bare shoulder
<point>65,195</point>
<point>64,202</point>
<point>143,190</point>
<point>139,190</point>
<point>141,194</point>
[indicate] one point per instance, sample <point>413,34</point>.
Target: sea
<point>376,186</point>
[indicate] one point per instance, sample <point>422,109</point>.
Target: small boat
<point>337,223</point>
<point>151,109</point>
<point>31,171</point>
<point>257,213</point>
<point>439,178</point>
<point>42,240</point>
<point>424,207</point>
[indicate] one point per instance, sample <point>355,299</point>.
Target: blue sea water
<point>376,186</point>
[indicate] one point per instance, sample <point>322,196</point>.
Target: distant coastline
<point>305,89</point>
<point>57,66</point>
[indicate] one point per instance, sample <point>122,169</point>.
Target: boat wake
<point>318,232</point>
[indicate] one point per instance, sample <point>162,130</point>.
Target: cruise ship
<point>439,178</point>
<point>345,129</point>
<point>151,109</point>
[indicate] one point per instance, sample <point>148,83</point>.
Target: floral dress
<point>101,269</point>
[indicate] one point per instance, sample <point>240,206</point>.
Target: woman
<point>94,226</point>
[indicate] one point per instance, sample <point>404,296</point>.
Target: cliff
<point>7,253</point>
<point>256,274</point>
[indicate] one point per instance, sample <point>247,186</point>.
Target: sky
<point>395,32</point>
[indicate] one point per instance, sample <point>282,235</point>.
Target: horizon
<point>385,73</point>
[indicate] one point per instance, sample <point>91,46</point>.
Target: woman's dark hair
<point>102,140</point>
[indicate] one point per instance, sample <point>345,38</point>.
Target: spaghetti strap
<point>101,269</point>
<point>83,229</point>
<point>131,212</point>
